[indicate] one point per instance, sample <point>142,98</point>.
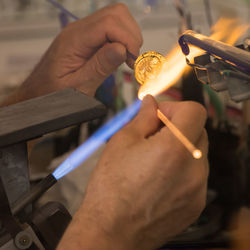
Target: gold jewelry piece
<point>148,65</point>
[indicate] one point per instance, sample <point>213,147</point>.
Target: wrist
<point>99,231</point>
<point>24,92</point>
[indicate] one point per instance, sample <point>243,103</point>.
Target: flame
<point>225,30</point>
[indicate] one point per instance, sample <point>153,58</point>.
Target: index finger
<point>121,11</point>
<point>115,20</point>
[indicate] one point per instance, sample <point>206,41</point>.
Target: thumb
<point>103,63</point>
<point>146,122</point>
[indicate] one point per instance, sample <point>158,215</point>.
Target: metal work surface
<point>35,117</point>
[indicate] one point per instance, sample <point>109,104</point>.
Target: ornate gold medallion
<point>148,65</point>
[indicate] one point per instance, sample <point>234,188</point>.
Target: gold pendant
<point>148,66</point>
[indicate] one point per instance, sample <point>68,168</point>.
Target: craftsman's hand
<point>85,53</point>
<point>147,187</point>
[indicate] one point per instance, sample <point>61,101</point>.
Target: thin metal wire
<point>62,9</point>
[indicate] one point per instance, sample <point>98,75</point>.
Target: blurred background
<point>27,27</point>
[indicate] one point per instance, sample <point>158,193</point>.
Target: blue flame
<point>79,155</point>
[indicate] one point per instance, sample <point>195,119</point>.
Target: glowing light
<point>196,153</point>
<point>96,140</point>
<point>225,30</point>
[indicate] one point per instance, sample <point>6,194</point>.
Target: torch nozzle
<point>34,194</point>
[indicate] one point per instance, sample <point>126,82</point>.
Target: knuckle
<point>108,20</point>
<point>71,28</point>
<point>202,111</point>
<point>69,32</point>
<point>120,7</point>
<point>197,108</point>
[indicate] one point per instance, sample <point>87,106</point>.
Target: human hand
<point>147,187</point>
<point>86,52</point>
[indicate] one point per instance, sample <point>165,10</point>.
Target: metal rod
<point>196,153</point>
<point>232,55</point>
<point>62,9</point>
